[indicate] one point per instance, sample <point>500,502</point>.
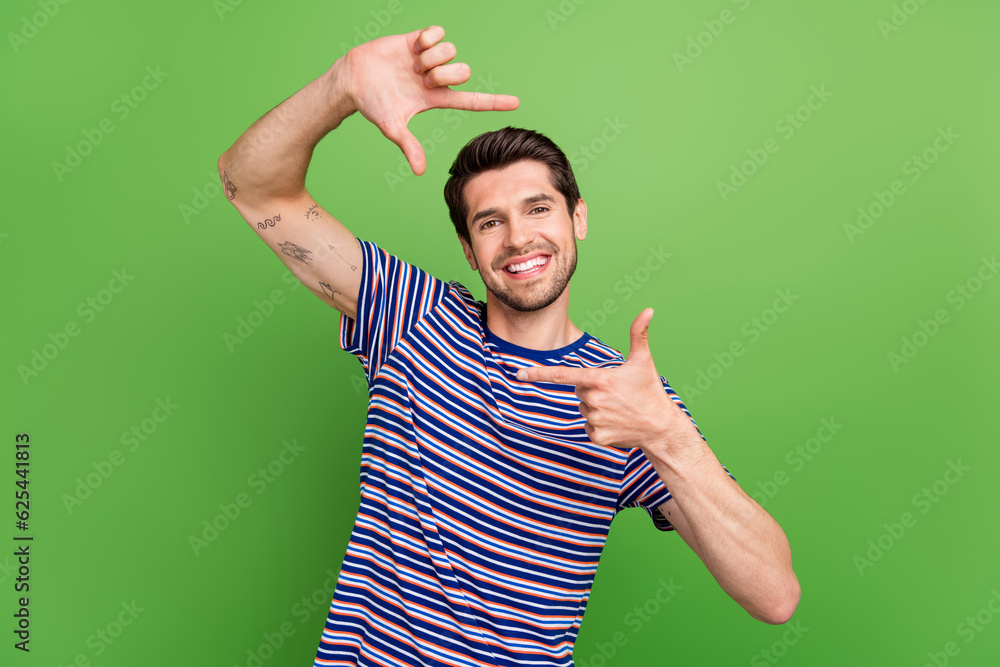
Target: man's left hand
<point>625,406</point>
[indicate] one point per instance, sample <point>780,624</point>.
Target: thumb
<point>638,349</point>
<point>399,134</point>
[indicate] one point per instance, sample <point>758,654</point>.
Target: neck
<point>547,329</point>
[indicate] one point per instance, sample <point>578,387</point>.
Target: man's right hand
<point>391,79</point>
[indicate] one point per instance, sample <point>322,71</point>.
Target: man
<point>501,439</point>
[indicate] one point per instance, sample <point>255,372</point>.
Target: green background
<point>146,199</point>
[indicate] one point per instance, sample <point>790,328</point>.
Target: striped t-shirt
<point>484,504</point>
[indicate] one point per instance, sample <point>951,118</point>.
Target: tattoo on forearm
<point>229,185</point>
<point>314,213</point>
<point>295,251</point>
<point>353,267</point>
<point>329,291</point>
<point>269,222</point>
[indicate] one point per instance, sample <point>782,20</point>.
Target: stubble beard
<point>530,299</point>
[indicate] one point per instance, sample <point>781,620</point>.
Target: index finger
<point>557,374</point>
<point>473,101</point>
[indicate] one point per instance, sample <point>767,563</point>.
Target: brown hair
<point>498,149</point>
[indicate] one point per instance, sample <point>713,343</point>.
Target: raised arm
<point>389,80</point>
<point>741,544</point>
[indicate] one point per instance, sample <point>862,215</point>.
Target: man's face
<point>523,239</point>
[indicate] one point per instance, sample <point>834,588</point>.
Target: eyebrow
<point>533,199</point>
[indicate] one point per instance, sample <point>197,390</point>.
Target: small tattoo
<point>314,213</point>
<point>295,251</point>
<point>353,267</point>
<point>229,185</point>
<point>329,291</point>
<point>269,222</point>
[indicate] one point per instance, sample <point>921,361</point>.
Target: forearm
<point>740,543</point>
<point>269,160</point>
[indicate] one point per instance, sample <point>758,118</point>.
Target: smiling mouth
<point>529,267</point>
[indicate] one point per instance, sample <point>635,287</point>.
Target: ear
<point>580,220</point>
<point>469,255</point>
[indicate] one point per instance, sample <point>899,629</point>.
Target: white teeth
<point>525,266</point>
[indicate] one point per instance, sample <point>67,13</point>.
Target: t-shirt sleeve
<point>393,297</point>
<point>641,484</point>
<point>642,487</point>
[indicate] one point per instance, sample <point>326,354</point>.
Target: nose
<point>520,232</point>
